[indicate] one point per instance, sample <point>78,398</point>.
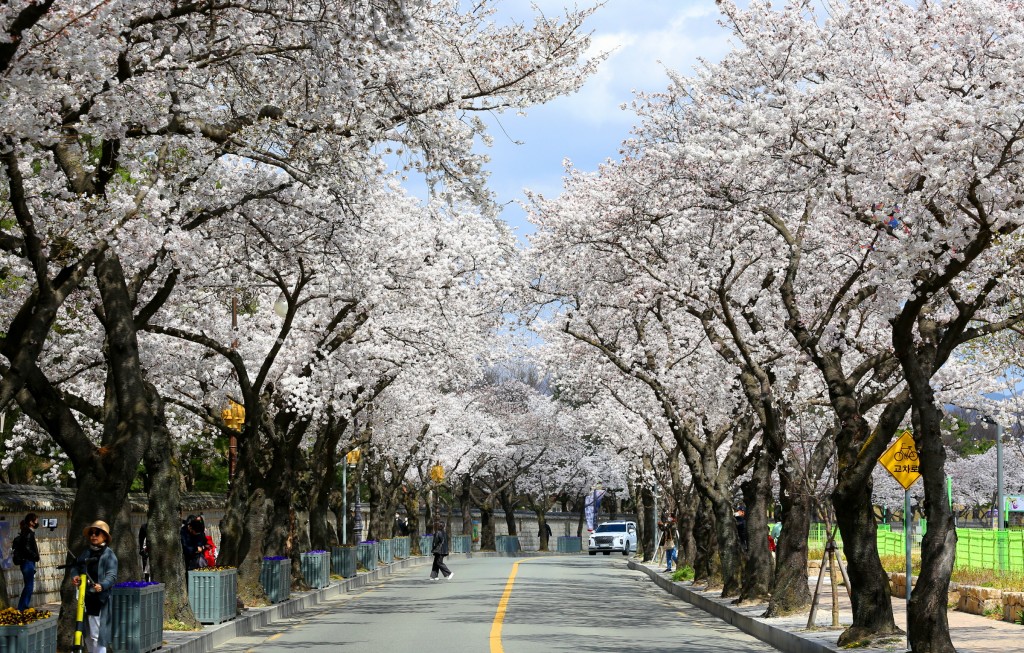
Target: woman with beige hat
<point>99,565</point>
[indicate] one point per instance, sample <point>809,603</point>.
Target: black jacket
<point>29,547</point>
<point>440,544</point>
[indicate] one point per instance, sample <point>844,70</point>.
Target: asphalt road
<point>576,603</point>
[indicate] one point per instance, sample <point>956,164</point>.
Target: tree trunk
<point>486,528</point>
<point>790,592</point>
<point>257,512</point>
<point>322,534</point>
<point>871,600</point>
<point>580,522</point>
<point>928,623</point>
<point>323,480</point>
<point>246,514</point>
<point>165,559</point>
<point>300,544</point>
<point>412,511</point>
<point>758,568</point>
<point>728,544</point>
<point>707,564</point>
<point>510,512</point>
<point>686,523</point>
<point>646,524</point>
<point>96,498</point>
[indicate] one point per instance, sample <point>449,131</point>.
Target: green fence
<point>980,548</point>
<point>976,548</point>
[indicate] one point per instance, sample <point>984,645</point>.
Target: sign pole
<point>908,524</point>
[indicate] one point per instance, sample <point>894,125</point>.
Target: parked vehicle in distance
<point>613,536</point>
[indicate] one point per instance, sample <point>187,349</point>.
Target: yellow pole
<point>80,613</point>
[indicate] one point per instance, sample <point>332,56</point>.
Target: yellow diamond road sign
<point>901,460</point>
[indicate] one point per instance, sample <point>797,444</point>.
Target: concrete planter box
<point>401,546</point>
<point>426,541</point>
<point>137,615</point>
<point>567,544</point>
<point>276,579</point>
<point>213,595</point>
<point>316,569</point>
<point>344,561</point>
<point>385,552</point>
<point>505,544</point>
<point>366,553</point>
<point>37,637</point>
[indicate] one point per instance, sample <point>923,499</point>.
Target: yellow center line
<point>499,615</point>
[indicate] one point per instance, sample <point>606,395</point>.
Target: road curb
<point>778,638</point>
<point>205,640</point>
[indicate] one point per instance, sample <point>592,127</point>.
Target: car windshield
<point>605,528</point>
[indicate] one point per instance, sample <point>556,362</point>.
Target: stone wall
<point>1013,606</point>
<point>55,504</point>
<point>980,600</point>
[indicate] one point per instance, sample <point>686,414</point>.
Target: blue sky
<point>645,38</point>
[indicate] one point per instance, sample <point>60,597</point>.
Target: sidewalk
<point>970,633</point>
<point>253,619</point>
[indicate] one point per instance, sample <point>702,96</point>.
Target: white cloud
<point>644,41</point>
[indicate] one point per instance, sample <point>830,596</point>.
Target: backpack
<point>18,552</point>
<point>210,552</point>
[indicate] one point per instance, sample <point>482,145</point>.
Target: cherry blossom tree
<point>129,127</point>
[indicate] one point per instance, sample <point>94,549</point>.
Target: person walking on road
<point>668,540</point>
<point>25,552</point>
<point>440,550</point>
<point>99,565</point>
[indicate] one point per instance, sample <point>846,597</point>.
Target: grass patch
<point>685,573</point>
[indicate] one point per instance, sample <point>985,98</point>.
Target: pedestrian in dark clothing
<point>26,555</point>
<point>144,551</point>
<point>401,528</point>
<point>183,536</point>
<point>440,550</point>
<point>99,565</point>
<point>741,526</point>
<point>193,546</point>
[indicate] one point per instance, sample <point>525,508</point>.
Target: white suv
<point>613,536</point>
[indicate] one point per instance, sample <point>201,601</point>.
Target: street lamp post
<point>1000,496</point>
<point>351,460</point>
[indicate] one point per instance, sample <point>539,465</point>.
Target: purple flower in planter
<point>137,583</point>
<point>275,557</point>
<point>317,551</point>
<point>368,542</point>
